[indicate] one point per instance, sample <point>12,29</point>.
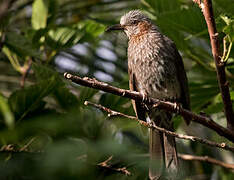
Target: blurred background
<point>46,132</point>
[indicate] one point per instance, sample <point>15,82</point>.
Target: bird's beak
<point>114,27</point>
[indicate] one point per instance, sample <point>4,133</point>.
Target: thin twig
<point>168,106</point>
<point>179,136</point>
<point>110,112</point>
<point>224,48</point>
<point>24,148</point>
<point>105,164</point>
<point>26,69</point>
<point>208,159</point>
<point>207,10</point>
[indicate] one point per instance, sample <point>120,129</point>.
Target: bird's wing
<point>181,74</point>
<point>137,105</point>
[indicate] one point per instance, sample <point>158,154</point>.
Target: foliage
<point>43,122</point>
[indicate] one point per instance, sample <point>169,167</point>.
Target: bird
<point>156,70</point>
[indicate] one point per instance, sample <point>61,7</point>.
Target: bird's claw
<point>151,123</point>
<point>145,101</point>
<point>177,107</point>
<point>145,98</point>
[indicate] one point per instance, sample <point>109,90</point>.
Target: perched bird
<point>156,70</point>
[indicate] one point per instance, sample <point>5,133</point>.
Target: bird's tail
<point>163,154</point>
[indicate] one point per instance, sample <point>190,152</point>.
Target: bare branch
<point>110,112</point>
<point>220,65</point>
<point>208,159</point>
<point>25,147</point>
<point>179,136</point>
<point>168,106</point>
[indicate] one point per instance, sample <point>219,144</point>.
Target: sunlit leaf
<point>13,58</point>
<point>229,28</point>
<point>93,28</point>
<point>63,37</point>
<point>39,13</point>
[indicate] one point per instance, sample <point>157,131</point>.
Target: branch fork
<point>168,106</point>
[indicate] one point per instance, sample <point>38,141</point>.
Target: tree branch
<point>179,136</point>
<point>189,157</point>
<point>208,159</point>
<point>168,106</point>
<point>207,10</point>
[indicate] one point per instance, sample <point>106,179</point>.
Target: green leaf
<point>53,11</point>
<point>201,94</point>
<point>222,6</point>
<point>203,87</point>
<point>43,72</point>
<point>94,28</point>
<point>86,94</point>
<point>20,45</point>
<point>229,28</point>
<point>6,112</point>
<point>181,24</point>
<point>65,98</point>
<point>39,14</point>
<point>30,99</point>
<point>214,108</point>
<point>232,95</point>
<point>91,29</point>
<point>114,102</point>
<point>63,37</point>
<point>13,58</point>
<point>178,20</point>
<point>162,6</point>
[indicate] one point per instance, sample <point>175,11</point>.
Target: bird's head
<point>133,23</point>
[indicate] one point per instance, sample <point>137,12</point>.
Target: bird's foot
<point>177,107</point>
<point>151,123</point>
<point>145,101</point>
<point>145,98</point>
